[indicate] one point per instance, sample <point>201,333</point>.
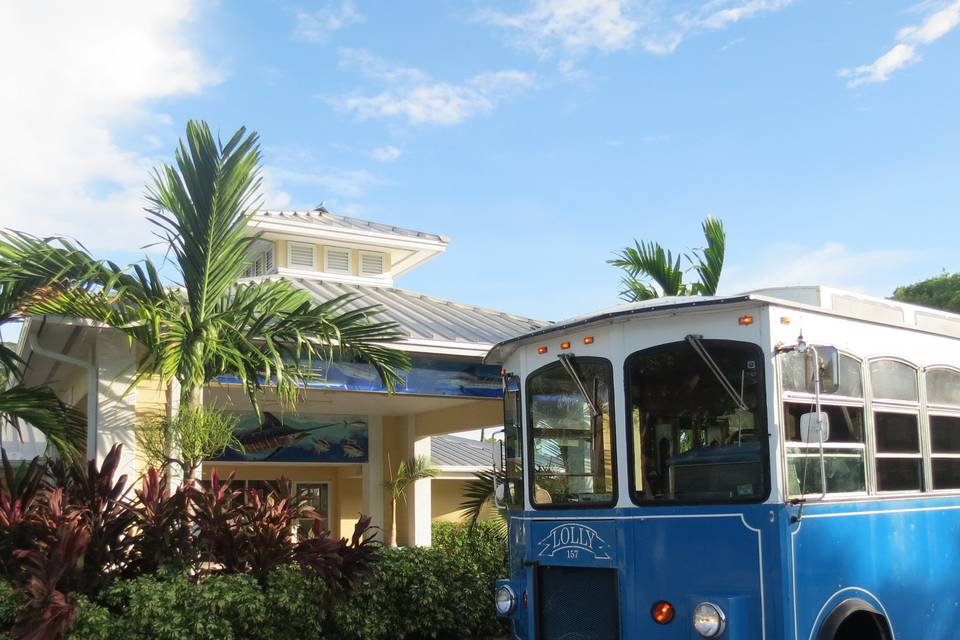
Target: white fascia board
<point>306,274</point>
<point>411,261</point>
<point>296,228</point>
<point>440,347</point>
<point>459,473</point>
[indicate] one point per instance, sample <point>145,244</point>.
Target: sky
<point>540,136</point>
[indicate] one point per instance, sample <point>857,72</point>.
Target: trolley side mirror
<point>811,428</point>
<point>826,364</point>
<point>499,491</point>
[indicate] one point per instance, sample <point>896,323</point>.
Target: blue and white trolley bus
<point>778,464</point>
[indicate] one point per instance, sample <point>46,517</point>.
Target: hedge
<point>415,593</point>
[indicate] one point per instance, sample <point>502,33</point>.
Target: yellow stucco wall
<point>346,487</point>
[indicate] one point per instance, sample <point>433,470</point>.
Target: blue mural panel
<point>299,439</point>
<point>428,375</point>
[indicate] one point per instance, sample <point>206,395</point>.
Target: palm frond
<point>410,471</point>
<point>63,426</point>
<point>709,263</point>
<point>201,208</point>
<point>478,497</point>
<point>649,261</point>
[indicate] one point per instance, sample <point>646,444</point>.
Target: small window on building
<point>893,380</point>
<point>316,495</point>
<point>371,264</point>
<point>258,266</point>
<point>337,260</point>
<point>300,255</point>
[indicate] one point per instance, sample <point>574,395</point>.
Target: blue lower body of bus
<point>869,569</point>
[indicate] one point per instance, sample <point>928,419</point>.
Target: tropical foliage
<point>407,474</point>
<point>31,271</point>
<point>478,499</point>
<point>186,439</point>
<point>267,333</point>
<point>652,271</point>
<point>65,535</point>
<point>940,292</point>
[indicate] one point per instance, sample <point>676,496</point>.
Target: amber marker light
<point>745,321</point>
<point>541,350</point>
<point>662,612</point>
<point>588,340</point>
<point>564,345</point>
<point>784,319</point>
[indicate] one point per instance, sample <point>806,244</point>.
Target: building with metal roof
<point>346,435</point>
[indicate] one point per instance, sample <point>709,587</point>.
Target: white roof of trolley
<point>813,298</point>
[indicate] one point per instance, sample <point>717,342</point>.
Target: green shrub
<point>168,606</point>
<point>94,622</point>
<point>440,592</point>
<point>10,601</point>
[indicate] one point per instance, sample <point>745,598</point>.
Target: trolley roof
<point>820,299</point>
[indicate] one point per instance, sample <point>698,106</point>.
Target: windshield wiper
<point>566,361</point>
<point>697,344</point>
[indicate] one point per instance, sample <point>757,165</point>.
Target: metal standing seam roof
<point>457,451</point>
<point>324,218</point>
<point>424,317</point>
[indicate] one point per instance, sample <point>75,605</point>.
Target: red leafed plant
<point>49,612</point>
<point>218,521</point>
<point>339,562</point>
<point>270,520</point>
<point>20,498</point>
<point>162,526</point>
<point>102,504</point>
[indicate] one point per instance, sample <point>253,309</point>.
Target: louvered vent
<point>268,260</point>
<point>301,255</point>
<point>338,260</point>
<point>371,264</point>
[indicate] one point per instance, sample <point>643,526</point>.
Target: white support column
<point>420,499</point>
<point>373,472</point>
<point>116,367</point>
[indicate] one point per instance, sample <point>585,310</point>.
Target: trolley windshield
<point>697,422</point>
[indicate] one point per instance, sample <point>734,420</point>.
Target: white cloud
<point>77,72</point>
<point>831,264</point>
<point>387,153</point>
<point>316,26</point>
<point>570,29</point>
<point>906,52</point>
<point>345,183</point>
<point>414,96</point>
<point>576,26</point>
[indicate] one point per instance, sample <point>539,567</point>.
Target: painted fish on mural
<point>352,449</point>
<point>273,434</point>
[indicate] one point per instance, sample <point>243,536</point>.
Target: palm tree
<point>652,271</point>
<point>267,333</point>
<point>33,270</point>
<point>408,473</point>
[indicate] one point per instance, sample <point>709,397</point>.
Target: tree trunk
<point>393,521</point>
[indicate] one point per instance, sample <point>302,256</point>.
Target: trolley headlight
<point>709,620</point>
<point>506,600</point>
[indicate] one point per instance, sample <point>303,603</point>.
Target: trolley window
<point>697,422</point>
<point>571,431</point>
<point>943,400</point>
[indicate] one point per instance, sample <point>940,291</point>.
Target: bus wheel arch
<point>855,619</point>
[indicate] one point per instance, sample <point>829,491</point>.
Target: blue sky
<point>540,136</point>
